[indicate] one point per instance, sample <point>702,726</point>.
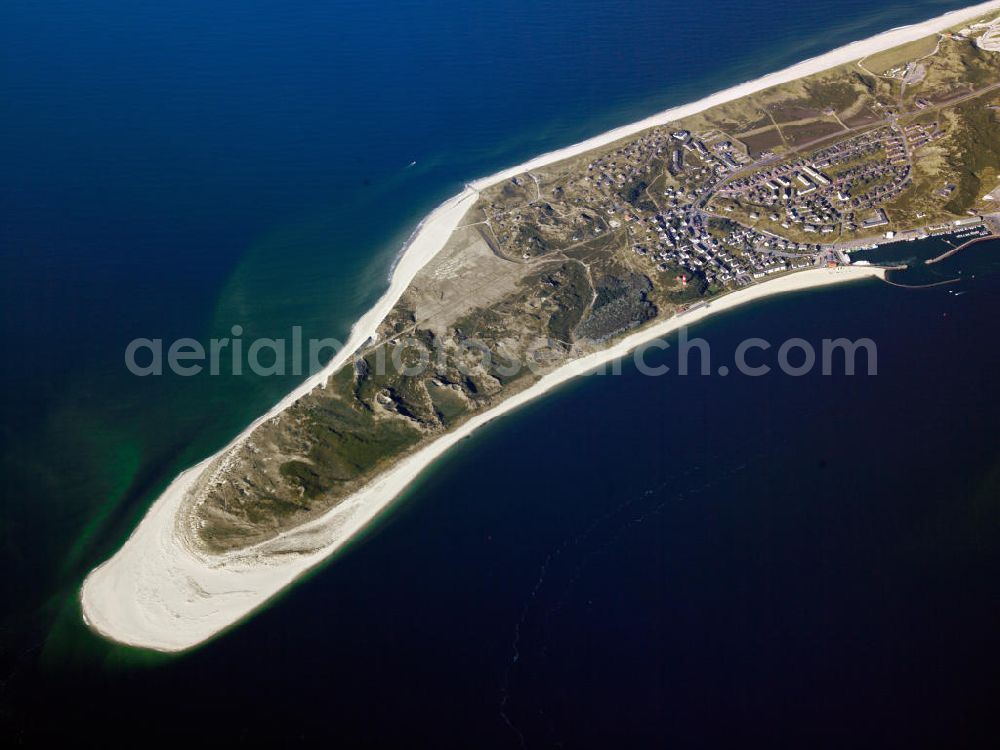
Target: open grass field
<point>899,56</point>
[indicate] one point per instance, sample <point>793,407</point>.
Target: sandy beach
<point>157,592</point>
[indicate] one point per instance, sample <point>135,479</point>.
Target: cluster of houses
<point>920,134</point>
<point>668,223</point>
<point>721,158</point>
<point>736,254</point>
<point>677,236</point>
<point>624,173</point>
<point>824,195</point>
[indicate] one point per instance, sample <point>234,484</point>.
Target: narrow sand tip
<point>157,593</point>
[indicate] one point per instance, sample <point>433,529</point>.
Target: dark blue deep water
<point>687,561</point>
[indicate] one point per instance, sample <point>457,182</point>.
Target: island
<point>553,268</point>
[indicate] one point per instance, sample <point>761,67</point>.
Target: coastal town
<point>718,205</point>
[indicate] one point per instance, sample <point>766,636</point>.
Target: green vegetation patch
<point>800,135</point>
<point>570,295</point>
<point>448,403</point>
<point>881,62</point>
<point>622,302</point>
<point>975,150</point>
<point>345,443</point>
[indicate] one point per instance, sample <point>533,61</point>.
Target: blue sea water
<point>718,559</point>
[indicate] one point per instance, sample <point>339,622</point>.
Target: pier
<point>957,248</point>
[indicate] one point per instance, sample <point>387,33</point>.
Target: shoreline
<point>157,593</point>
<point>208,594</point>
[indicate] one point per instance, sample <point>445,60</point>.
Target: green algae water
<point>680,560</point>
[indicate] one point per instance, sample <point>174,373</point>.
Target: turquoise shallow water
<point>175,171</point>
